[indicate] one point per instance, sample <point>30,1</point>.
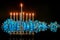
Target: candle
<point>29,16</point>
<point>20,16</point>
<point>10,15</point>
<point>33,16</point>
<point>26,16</point>
<point>21,12</point>
<point>16,15</point>
<point>23,16</point>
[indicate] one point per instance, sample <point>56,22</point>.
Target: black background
<point>45,10</point>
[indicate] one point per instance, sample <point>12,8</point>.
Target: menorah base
<point>22,33</point>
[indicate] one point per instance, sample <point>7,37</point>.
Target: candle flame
<point>14,13</point>
<point>23,13</point>
<point>10,13</point>
<point>29,14</point>
<point>21,5</point>
<point>32,14</point>
<point>26,14</point>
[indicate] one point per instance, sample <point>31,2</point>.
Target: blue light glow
<point>32,26</point>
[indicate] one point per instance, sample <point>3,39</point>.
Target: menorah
<point>16,16</point>
<point>24,23</point>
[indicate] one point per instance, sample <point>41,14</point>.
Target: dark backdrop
<point>45,10</point>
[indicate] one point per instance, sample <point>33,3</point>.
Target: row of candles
<point>16,16</point>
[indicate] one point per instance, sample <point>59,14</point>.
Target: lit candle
<point>26,16</point>
<point>21,12</point>
<point>23,16</point>
<point>20,16</point>
<point>33,16</point>
<point>29,16</point>
<point>10,15</point>
<point>16,16</point>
